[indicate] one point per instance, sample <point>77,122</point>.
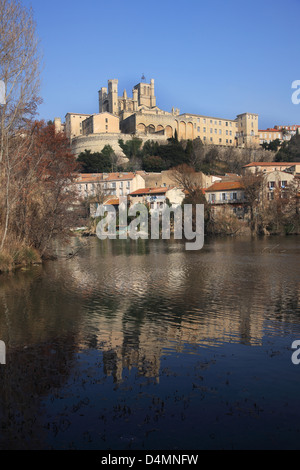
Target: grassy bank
<point>17,255</point>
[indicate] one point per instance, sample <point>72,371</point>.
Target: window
<point>272,184</point>
<point>224,197</point>
<point>204,129</point>
<point>234,196</point>
<point>211,131</point>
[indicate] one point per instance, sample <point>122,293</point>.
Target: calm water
<point>146,346</point>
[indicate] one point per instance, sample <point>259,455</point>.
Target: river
<point>143,345</point>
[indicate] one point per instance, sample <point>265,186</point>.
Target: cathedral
<point>120,117</point>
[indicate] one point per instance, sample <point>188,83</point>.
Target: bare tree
<point>293,206</point>
<point>253,184</point>
<point>19,74</point>
<point>188,179</point>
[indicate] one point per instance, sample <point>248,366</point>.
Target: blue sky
<point>218,58</point>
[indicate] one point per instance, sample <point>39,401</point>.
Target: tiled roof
<point>112,202</point>
<point>145,191</point>
<point>270,130</point>
<point>225,186</point>
<point>98,177</point>
<point>271,164</point>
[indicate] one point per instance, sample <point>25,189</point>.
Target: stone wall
<point>96,142</point>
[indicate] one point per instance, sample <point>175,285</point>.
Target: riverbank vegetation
<point>258,215</point>
<point>36,165</point>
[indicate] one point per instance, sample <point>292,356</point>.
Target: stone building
<point>267,167</point>
<point>103,123</point>
<point>107,184</point>
<point>139,115</point>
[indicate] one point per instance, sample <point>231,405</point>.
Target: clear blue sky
<point>218,58</point>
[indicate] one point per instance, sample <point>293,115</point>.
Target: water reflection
<point>138,299</point>
<point>137,303</point>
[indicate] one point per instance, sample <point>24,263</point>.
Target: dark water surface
<point>142,345</point>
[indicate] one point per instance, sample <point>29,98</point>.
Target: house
<point>108,184</point>
<point>266,167</point>
<point>168,179</point>
<point>157,198</point>
<point>227,194</point>
<point>276,181</point>
<point>269,135</point>
<point>107,203</point>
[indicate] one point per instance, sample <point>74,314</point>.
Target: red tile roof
<point>225,186</point>
<point>147,191</point>
<point>97,177</point>
<point>271,164</point>
<point>270,130</point>
<point>112,202</point>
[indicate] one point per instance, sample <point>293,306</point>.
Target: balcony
<point>228,201</point>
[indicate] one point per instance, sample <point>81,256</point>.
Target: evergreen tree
<point>97,162</point>
<point>290,151</point>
